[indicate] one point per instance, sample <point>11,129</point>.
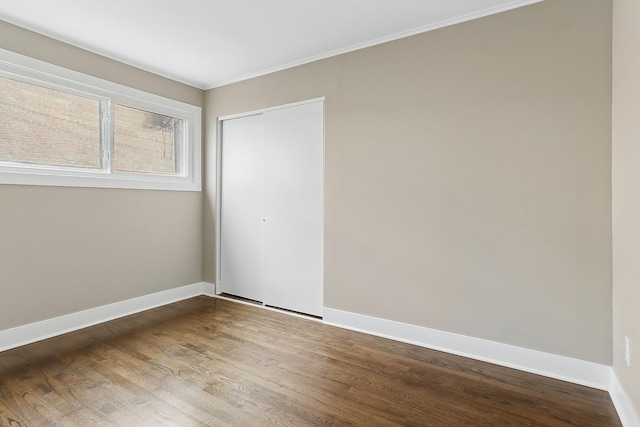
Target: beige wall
<point>68,249</point>
<point>468,177</point>
<point>31,44</point>
<point>626,193</point>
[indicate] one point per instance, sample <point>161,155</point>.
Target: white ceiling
<point>208,43</point>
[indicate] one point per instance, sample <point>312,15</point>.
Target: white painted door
<point>293,208</point>
<point>271,207</point>
<point>241,207</point>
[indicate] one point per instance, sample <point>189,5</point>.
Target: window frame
<point>29,70</point>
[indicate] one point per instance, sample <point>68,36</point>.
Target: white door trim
<point>267,109</point>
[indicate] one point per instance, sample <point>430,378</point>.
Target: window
<point>60,127</point>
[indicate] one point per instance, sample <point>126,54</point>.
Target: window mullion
<point>106,137</point>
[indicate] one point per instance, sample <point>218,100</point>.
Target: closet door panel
<point>241,207</point>
<point>293,208</point>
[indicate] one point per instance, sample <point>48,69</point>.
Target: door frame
<point>219,125</point>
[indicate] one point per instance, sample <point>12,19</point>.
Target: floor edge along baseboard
<point>550,365</point>
<point>576,371</point>
<point>563,368</point>
<point>38,331</point>
<point>627,413</point>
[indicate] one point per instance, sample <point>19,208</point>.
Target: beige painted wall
<point>468,176</point>
<point>31,44</point>
<point>68,249</point>
<point>626,193</point>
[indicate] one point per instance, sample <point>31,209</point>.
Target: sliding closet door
<point>241,207</point>
<point>293,208</point>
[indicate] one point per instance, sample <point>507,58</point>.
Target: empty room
<point>367,213</point>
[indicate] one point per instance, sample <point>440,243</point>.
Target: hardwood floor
<point>211,362</point>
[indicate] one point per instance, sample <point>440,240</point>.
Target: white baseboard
<point>209,288</point>
<point>27,334</point>
<point>550,365</point>
<point>627,413</point>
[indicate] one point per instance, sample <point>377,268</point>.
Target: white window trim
<point>23,68</point>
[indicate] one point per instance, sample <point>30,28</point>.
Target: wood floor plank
<point>211,362</point>
<point>7,417</point>
<point>227,387</point>
<point>27,406</point>
<point>248,363</point>
<point>386,389</point>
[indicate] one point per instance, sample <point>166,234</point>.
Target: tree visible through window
<point>146,142</point>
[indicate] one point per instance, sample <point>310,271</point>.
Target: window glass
<point>146,142</point>
<point>48,127</point>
